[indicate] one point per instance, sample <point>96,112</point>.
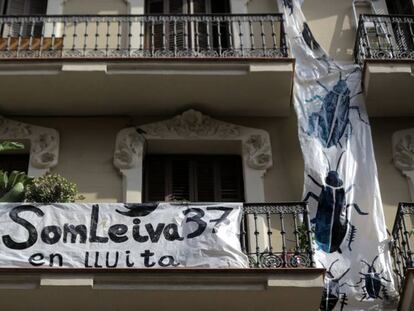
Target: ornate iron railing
<point>402,240</point>
<point>143,36</point>
<point>385,37</point>
<point>277,235</point>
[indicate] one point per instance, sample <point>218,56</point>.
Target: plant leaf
<point>10,145</point>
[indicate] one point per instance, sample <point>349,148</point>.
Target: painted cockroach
<point>309,38</point>
<point>138,210</point>
<point>288,4</point>
<point>331,222</point>
<point>329,124</point>
<point>373,282</point>
<point>332,292</point>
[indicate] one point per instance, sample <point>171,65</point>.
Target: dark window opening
<point>182,35</point>
<point>23,7</point>
<point>403,32</point>
<point>195,178</point>
<point>398,7</point>
<point>14,162</point>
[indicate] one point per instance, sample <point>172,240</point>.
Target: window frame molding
<point>44,144</point>
<point>192,125</point>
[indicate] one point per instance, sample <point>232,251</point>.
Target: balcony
<point>218,63</point>
<point>275,236</point>
<point>385,47</point>
<point>403,254</point>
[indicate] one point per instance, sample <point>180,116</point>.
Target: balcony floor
<point>187,289</point>
<point>389,88</point>
<point>226,87</point>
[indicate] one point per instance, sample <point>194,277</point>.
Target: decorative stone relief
<point>44,143</point>
<point>192,125</point>
<point>129,148</point>
<point>403,155</point>
<point>258,151</point>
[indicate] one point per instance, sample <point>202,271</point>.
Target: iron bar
<point>143,36</point>
<point>268,250</point>
<point>402,235</point>
<point>387,37</point>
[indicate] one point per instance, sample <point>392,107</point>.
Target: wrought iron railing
<point>143,36</point>
<point>277,235</point>
<point>385,37</point>
<point>402,241</point>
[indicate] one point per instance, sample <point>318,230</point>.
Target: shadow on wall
<point>332,24</point>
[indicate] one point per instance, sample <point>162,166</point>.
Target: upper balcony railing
<point>402,241</point>
<point>277,235</point>
<point>385,37</point>
<point>142,36</point>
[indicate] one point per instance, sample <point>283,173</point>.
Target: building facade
<point>190,100</point>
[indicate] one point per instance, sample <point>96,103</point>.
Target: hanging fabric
<point>341,183</point>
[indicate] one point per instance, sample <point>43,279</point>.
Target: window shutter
<point>176,7</point>
<point>180,180</point>
<point>2,8</point>
<point>155,7</point>
<point>231,181</point>
<point>16,7</point>
<point>26,7</point>
<point>194,178</point>
<point>155,178</point>
<point>205,176</point>
<point>199,7</point>
<point>37,7</point>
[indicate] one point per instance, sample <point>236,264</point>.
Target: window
<point>205,178</point>
<point>404,7</point>
<point>187,35</point>
<point>23,7</point>
<point>14,162</point>
<point>402,30</point>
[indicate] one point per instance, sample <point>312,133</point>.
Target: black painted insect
<point>331,222</point>
<point>373,282</point>
<point>288,4</point>
<point>309,38</point>
<point>329,124</point>
<point>138,210</point>
<point>332,292</point>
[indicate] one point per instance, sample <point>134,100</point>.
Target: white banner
<point>341,182</point>
<point>121,236</point>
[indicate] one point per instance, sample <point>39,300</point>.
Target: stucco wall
<point>393,185</point>
<point>262,6</point>
<point>87,147</point>
<point>331,23</point>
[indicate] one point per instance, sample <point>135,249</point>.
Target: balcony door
<point>403,31</point>
<point>23,7</point>
<point>195,178</point>
<point>183,35</point>
<point>400,7</point>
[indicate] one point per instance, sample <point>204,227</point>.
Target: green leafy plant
<point>10,145</point>
<point>51,188</point>
<point>303,237</point>
<point>13,186</point>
